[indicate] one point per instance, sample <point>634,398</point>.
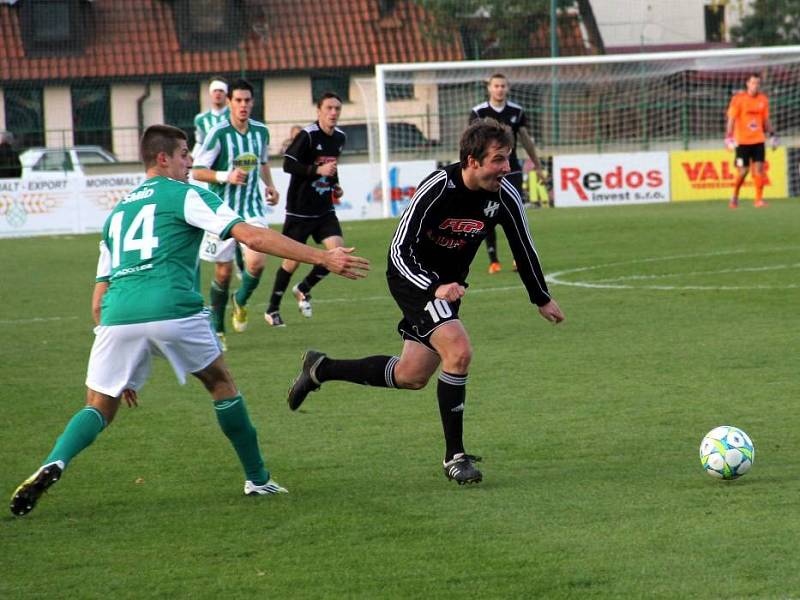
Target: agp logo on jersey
<point>247,161</point>
<point>462,225</point>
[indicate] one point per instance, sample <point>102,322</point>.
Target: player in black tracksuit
<point>429,259</point>
<point>311,159</point>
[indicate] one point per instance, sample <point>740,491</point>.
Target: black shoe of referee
<point>306,382</point>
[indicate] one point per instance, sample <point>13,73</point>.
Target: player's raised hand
<point>342,262</point>
<point>450,291</point>
<point>552,312</point>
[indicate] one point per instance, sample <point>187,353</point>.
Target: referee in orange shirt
<point>748,126</point>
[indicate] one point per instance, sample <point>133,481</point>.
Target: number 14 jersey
<point>149,250</point>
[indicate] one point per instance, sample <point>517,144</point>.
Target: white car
<point>68,162</point>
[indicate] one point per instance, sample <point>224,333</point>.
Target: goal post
<point>581,104</point>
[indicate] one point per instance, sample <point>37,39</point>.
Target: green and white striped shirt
<point>225,149</point>
<point>204,121</point>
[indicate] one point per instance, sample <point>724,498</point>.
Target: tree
<point>771,23</point>
<point>491,28</point>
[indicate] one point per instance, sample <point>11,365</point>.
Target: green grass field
<point>679,318</point>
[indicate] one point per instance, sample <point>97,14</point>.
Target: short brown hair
<point>159,138</point>
<point>477,138</point>
<point>496,76</point>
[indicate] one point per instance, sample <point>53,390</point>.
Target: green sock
<point>219,300</point>
<point>235,424</point>
<point>79,433</point>
<point>249,285</point>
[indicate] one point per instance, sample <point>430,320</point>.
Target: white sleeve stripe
<point>508,186</point>
<point>199,214</point>
<point>420,280</point>
<point>103,261</point>
<point>206,155</point>
<point>520,218</point>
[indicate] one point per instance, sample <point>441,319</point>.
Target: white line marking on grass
<point>557,277</point>
<point>717,272</point>
<point>34,320</point>
<point>388,296</point>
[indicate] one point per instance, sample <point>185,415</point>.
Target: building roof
<point>136,39</point>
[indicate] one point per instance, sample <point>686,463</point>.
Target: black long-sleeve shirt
<point>311,195</point>
<point>445,224</point>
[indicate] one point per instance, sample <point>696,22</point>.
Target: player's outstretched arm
<point>235,176</point>
<point>341,261</point>
<point>337,260</point>
<point>552,312</point>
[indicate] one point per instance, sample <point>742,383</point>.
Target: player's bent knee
<point>458,359</point>
<point>290,266</point>
<point>104,404</point>
<point>410,381</point>
<point>217,379</point>
<point>412,385</point>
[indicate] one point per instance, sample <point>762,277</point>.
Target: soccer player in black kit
<point>500,108</point>
<point>311,160</point>
<point>429,259</point>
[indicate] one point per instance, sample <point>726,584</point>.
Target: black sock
<point>282,278</point>
<point>491,245</point>
<point>313,278</point>
<point>452,392</point>
<point>372,370</point>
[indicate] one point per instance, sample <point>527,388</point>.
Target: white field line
<point>556,278</point>
<point>692,273</point>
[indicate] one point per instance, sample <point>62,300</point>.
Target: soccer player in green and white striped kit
<point>204,121</point>
<point>146,303</point>
<point>233,156</point>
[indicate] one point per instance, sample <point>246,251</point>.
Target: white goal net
<point>592,104</point>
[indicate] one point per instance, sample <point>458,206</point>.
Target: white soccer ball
<point>727,452</point>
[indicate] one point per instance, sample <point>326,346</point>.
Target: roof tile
<point>139,39</point>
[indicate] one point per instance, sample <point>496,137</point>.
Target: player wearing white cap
<point>204,121</point>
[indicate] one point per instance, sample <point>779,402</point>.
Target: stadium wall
<point>52,205</point>
<point>49,205</point>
